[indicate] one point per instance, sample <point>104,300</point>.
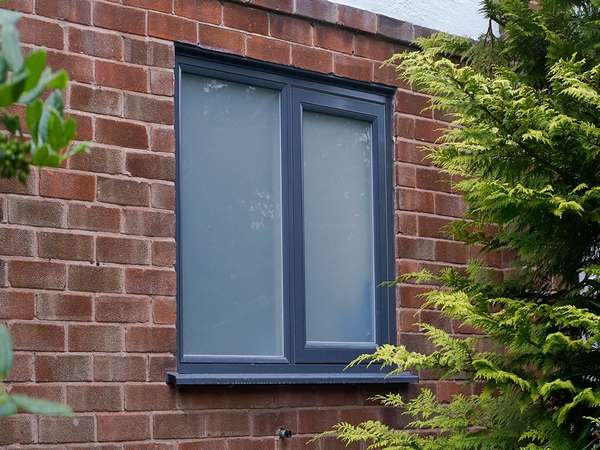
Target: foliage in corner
<point>525,141</point>
<point>44,140</point>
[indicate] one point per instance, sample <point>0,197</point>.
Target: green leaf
<point>39,406</point>
<point>11,91</point>
<point>6,352</point>
<point>9,17</point>
<point>40,155</point>
<point>35,64</point>
<point>11,47</point>
<point>82,147</point>
<point>48,80</point>
<point>33,114</point>
<point>7,406</point>
<point>11,123</point>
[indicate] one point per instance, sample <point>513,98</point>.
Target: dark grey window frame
<point>323,93</point>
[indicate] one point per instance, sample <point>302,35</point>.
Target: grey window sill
<point>191,379</point>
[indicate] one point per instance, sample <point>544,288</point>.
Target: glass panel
<point>230,194</point>
<point>338,229</point>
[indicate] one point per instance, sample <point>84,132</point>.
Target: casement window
<point>284,223</point>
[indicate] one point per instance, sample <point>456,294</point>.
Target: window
<point>284,223</point>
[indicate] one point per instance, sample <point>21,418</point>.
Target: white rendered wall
<point>461,17</point>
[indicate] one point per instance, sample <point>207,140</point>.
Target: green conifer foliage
<point>525,141</point>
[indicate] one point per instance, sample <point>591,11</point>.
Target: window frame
<point>348,98</point>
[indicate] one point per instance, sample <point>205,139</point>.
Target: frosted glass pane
<point>338,229</point>
<point>230,194</point>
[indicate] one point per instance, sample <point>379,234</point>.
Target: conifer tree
<point>525,141</point>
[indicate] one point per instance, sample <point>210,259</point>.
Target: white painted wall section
<point>460,17</point>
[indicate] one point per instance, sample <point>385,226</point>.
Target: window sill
<point>191,379</point>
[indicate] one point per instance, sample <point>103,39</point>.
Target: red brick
<point>253,444</point>
<point>156,167</point>
<point>454,252</point>
<point>405,175</point>
<point>95,338</point>
<point>428,131</point>
<point>61,368</point>
<point>41,32</point>
<point>163,140</point>
<point>404,126</point>
<point>162,196</point>
<point>36,274</point>
<point>322,10</point>
<point>334,38</point>
<point>122,309</point>
<point>291,29</point>
<point>149,223</point>
<point>25,6</point>
<point>410,296</point>
<point>204,444</point>
<point>95,398</point>
<point>66,429</point>
<point>357,18</point>
<point>96,100</point>
<point>449,205</point>
<point>312,59</point>
<point>80,68</point>
<point>84,126</point>
<point>159,366</point>
<point>244,18</point>
<point>65,246</point>
<point>277,5</point>
<point>96,43</point>
<point>149,397</point>
<point>150,281</point>
<point>433,179</point>
<point>162,82</point>
<point>121,76</point>
<point>150,339</point>
<point>120,133</point>
<point>448,389</point>
<point>415,248</point>
<point>148,53</point>
<point>435,227</point>
<point>38,337</point>
<point>172,28</point>
<point>387,75</point>
<point>16,242</point>
<point>163,253</point>
<point>179,425</point>
<point>157,5</point>
<point>97,218</point>
<point>47,392</point>
<point>14,186</point>
<point>408,320</point>
<point>410,152</point>
<point>210,11</point>
<point>119,18</point>
<point>119,368</point>
<point>163,310</point>
<point>123,191</point>
<point>60,184</point>
<point>261,48</point>
<point>122,250</point>
<point>79,11</point>
<point>59,306</point>
<point>99,159</point>
<point>413,200</point>
<point>22,369</point>
<point>355,68</point>
<point>316,420</point>
<point>395,29</point>
<point>265,423</point>
<point>36,212</point>
<point>220,39</point>
<point>412,103</point>
<point>373,48</point>
<point>229,423</point>
<point>95,279</point>
<point>16,305</point>
<point>149,109</point>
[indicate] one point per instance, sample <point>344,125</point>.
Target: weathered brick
<point>220,39</point>
<point>395,29</point>
<point>317,9</point>
<point>312,59</point>
<point>163,140</point>
<point>179,425</point>
<point>65,246</point>
<point>146,52</point>
<point>358,19</point>
<point>123,191</point>
<point>149,109</point>
<point>54,430</point>
<point>244,18</point>
<point>95,338</point>
<point>96,100</point>
<point>253,444</point>
<point>119,368</point>
<point>154,166</point>
<point>61,184</point>
<point>334,38</point>
<point>39,337</point>
<point>14,186</point>
<point>157,5</point>
<point>149,397</point>
<point>99,159</point>
<point>150,281</point>
<point>229,423</point>
<point>17,305</point>
<point>80,68</point>
<point>150,339</point>
<point>79,11</point>
<point>172,28</point>
<point>95,279</point>
<point>36,212</point>
<point>163,310</point>
<point>266,49</point>
<point>122,309</point>
<point>435,227</point>
<point>119,18</point>
<point>25,6</point>
<point>96,43</point>
<point>374,48</point>
<point>122,250</point>
<point>149,223</point>
<point>22,369</point>
<point>16,242</point>
<point>163,253</point>
<point>162,196</point>
<point>37,274</point>
<point>355,68</point>
<point>95,398</point>
<point>60,306</point>
<point>415,248</point>
<point>120,133</point>
<point>291,29</point>
<point>162,82</point>
<point>63,368</point>
<point>121,76</point>
<point>210,11</point>
<point>94,217</point>
<point>317,420</point>
<point>41,32</point>
<point>123,427</point>
<point>159,366</point>
<point>414,200</point>
<point>17,430</point>
<point>277,5</point>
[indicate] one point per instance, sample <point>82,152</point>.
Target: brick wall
<point>88,251</point>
